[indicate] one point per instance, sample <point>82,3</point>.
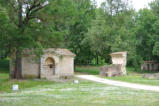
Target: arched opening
<point>50,65</point>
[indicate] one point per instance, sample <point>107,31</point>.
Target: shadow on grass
<point>4,66</point>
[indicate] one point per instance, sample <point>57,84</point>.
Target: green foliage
<point>119,28</point>
<point>82,21</point>
<point>41,26</point>
<point>112,32</point>
<point>145,33</point>
<point>91,33</point>
<point>156,49</point>
<point>92,70</point>
<point>154,7</point>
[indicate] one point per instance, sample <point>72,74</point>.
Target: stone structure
<point>151,76</point>
<point>150,66</point>
<point>111,70</point>
<point>118,66</point>
<point>54,64</point>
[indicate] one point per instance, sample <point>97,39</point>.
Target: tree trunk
<point>18,66</point>
<point>97,60</point>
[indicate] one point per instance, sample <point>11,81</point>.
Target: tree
<point>112,30</point>
<point>145,33</point>
<point>156,49</point>
<point>33,24</point>
<point>98,37</point>
<point>154,5</point>
<point>82,19</point>
<point>6,29</point>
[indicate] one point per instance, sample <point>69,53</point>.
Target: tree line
<point>91,32</point>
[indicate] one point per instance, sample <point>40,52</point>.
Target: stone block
<point>112,70</point>
<point>151,76</point>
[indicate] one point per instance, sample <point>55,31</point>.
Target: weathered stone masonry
<point>53,64</point>
<point>118,66</point>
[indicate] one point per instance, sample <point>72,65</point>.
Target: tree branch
<point>13,6</point>
<point>36,6</point>
<point>20,11</point>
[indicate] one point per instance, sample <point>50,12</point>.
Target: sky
<point>137,4</point>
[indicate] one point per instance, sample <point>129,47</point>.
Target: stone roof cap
<point>150,62</point>
<point>60,51</point>
<point>118,53</point>
<point>57,51</point>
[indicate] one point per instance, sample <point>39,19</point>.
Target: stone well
<point>118,66</point>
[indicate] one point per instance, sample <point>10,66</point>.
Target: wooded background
<point>91,33</point>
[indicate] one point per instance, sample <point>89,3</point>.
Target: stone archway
<point>50,66</point>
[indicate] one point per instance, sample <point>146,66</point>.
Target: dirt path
<point>119,83</point>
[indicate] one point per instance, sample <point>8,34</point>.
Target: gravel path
<point>119,83</point>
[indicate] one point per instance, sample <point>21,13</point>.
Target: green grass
<point>6,84</point>
<point>45,93</point>
<point>93,70</point>
<point>83,94</point>
<point>132,76</point>
<point>136,77</point>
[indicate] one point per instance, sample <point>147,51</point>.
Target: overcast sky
<point>137,4</point>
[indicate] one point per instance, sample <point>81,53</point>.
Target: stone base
<point>61,78</point>
<point>151,76</point>
<point>113,70</point>
<point>29,77</point>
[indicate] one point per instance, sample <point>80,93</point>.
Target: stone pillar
<point>120,58</point>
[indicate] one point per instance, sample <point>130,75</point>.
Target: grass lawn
<point>86,93</point>
<point>92,70</point>
<point>132,76</point>
<point>83,94</point>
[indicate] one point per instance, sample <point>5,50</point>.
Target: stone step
<point>52,78</point>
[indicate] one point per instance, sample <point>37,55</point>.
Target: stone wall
<point>66,66</point>
<point>150,66</point>
<point>119,58</point>
<point>30,67</point>
<point>62,67</point>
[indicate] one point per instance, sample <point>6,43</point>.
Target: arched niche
<point>50,65</point>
